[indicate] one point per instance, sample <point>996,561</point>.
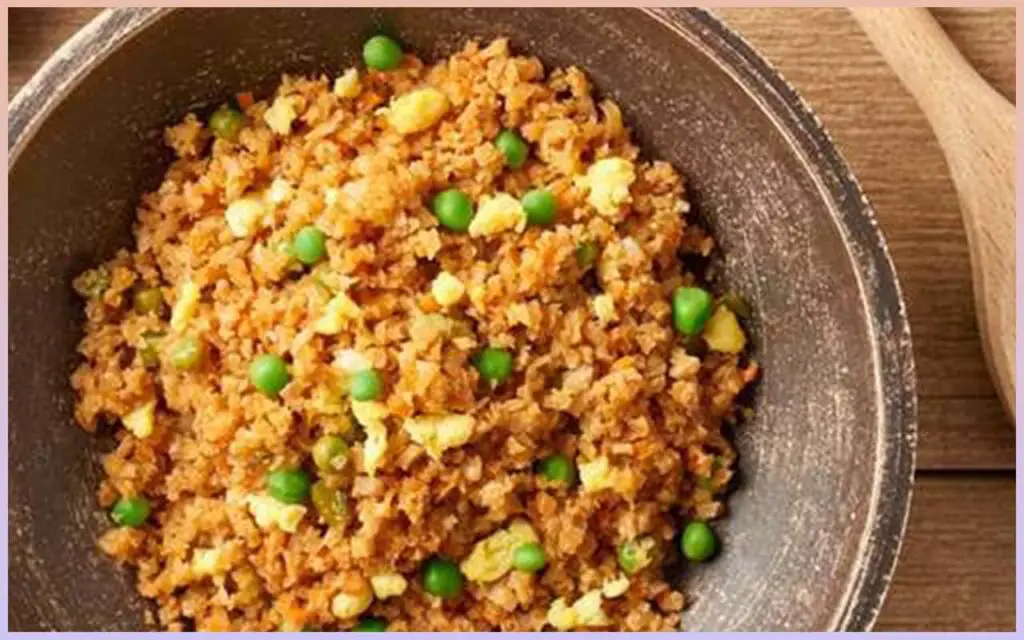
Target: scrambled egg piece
<point>497,214</point>
<point>388,585</point>
<point>598,474</point>
<point>140,421</point>
<point>615,587</point>
<point>447,289</point>
<point>437,434</point>
<point>427,328</point>
<point>371,415</point>
<point>417,110</point>
<point>327,399</point>
<point>279,191</point>
<point>354,600</point>
<point>209,562</point>
<point>491,558</point>
<point>281,114</point>
<point>269,512</point>
<point>585,612</point>
<point>561,616</point>
<point>186,305</point>
<point>243,216</point>
<point>337,314</point>
<point>608,181</point>
<point>604,308</point>
<point>347,84</point>
<point>351,361</point>
<point>723,333</point>
<point>349,197</point>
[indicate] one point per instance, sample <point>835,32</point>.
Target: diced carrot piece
<point>244,99</point>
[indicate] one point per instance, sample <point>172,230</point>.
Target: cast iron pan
<point>827,463</point>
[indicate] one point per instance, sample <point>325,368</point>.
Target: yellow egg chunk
<point>723,333</point>
<point>388,585</point>
<point>604,308</point>
<point>185,306</point>
<point>615,587</point>
<point>280,116</point>
<point>561,616</point>
<point>491,558</point>
<point>608,182</point>
<point>371,416</point>
<point>279,191</point>
<point>447,289</point>
<point>209,562</point>
<point>585,612</point>
<point>598,474</point>
<point>351,361</point>
<point>140,421</point>
<point>417,110</point>
<point>437,434</point>
<point>268,512</point>
<point>337,314</point>
<point>347,84</point>
<point>497,214</point>
<point>353,600</point>
<point>243,216</point>
<point>588,610</point>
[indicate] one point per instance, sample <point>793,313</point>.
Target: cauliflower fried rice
<point>453,392</point>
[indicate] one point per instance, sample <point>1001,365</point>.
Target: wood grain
<point>975,127</point>
<point>956,569</point>
<point>884,136</point>
<point>957,564</point>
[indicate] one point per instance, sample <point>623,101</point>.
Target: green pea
<point>370,623</point>
<point>382,53</point>
<point>540,207</point>
<point>453,209</point>
<point>629,557</point>
<point>513,147</point>
<point>226,123</point>
<point>558,468</point>
<point>187,353</point>
<point>494,365</point>
<point>130,511</point>
<point>94,283</point>
<point>632,557</point>
<point>365,385</point>
<point>150,351</point>
<point>691,308</point>
<point>529,557</point>
<point>442,578</point>
<point>586,254</point>
<point>329,503</point>
<point>309,245</point>
<point>290,486</point>
<point>698,542</point>
<point>329,453</point>
<point>269,373</point>
<point>148,300</point>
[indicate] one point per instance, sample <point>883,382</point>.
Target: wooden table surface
<point>957,565</point>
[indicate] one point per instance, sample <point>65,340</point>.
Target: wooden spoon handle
<point>925,60</point>
<point>976,129</point>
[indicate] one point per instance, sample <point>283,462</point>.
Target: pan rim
<point>852,214</point>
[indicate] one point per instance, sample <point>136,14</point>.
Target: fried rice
<point>599,373</point>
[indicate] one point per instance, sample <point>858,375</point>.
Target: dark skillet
<point>827,461</point>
